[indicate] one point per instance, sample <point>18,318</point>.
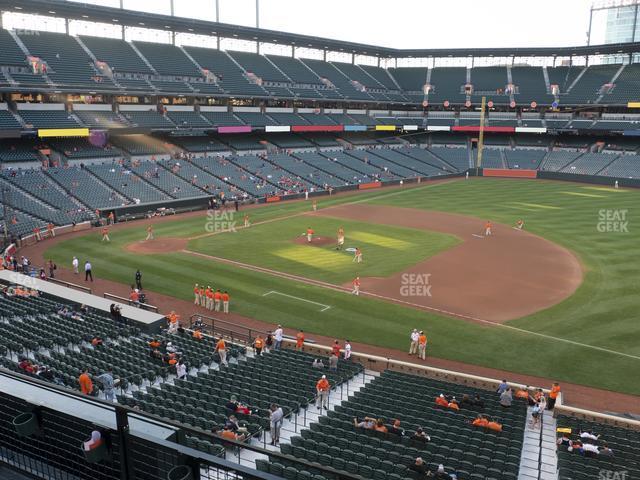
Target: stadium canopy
<point>132,18</point>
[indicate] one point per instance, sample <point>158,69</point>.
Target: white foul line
<point>326,307</point>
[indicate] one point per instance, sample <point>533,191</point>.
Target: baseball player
<point>149,232</point>
<point>217,300</point>
<point>356,286</point>
<point>520,224</point>
<point>310,233</point>
<point>246,221</point>
<point>105,235</point>
<point>357,256</point>
<point>487,228</point>
<point>340,239</point>
<point>314,205</point>
<point>196,295</point>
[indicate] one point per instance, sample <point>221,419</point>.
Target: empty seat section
<point>343,84</point>
<point>587,88</point>
<point>48,118</point>
<point>122,179</point>
<point>259,66</point>
<point>221,119</point>
<point>448,84</point>
<point>230,77</point>
<point>524,159</point>
<point>148,118</point>
<point>168,59</point>
<point>100,118</point>
<point>530,85</point>
<point>118,54</point>
<point>490,81</point>
<point>165,180</point>
<point>186,119</point>
<point>84,186</point>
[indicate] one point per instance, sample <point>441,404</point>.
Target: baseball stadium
<point>245,247</point>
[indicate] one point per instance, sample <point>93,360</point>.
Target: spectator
<point>564,440</point>
<point>278,335</point>
<point>588,435</point>
<point>300,341</point>
<point>94,442</point>
<point>228,434</point>
<point>502,387</point>
<point>506,398</point>
<point>236,407</point>
<point>86,385</point>
<point>317,364</point>
<point>480,421</point>
<point>197,332</point>
<point>442,401</point>
<point>96,341</point>
<point>395,428</point>
<point>420,436</point>
<point>26,365</point>
<point>134,296</point>
<point>258,344</point>
<point>181,369</point>
<point>221,348</point>
<point>478,402</point>
<point>367,423</point>
<point>535,416</point>
<point>333,363</point>
<point>441,474</point>
<point>466,401</point>
<point>380,426</point>
<point>276,416</point>
<point>335,350</point>
<point>553,395</point>
<point>494,425</point>
<point>322,391</point>
<point>108,385</point>
<point>590,450</point>
<point>268,342</point>
<point>605,450</point>
<point>419,467</point>
<point>347,350</point>
<point>52,268</point>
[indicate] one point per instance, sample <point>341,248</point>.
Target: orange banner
<point>273,199</point>
<point>506,172</point>
<point>365,186</point>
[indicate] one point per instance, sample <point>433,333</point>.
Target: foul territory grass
<point>602,312</point>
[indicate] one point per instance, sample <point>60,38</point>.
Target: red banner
<point>317,128</point>
<point>507,172</point>
<point>275,198</point>
<point>366,186</point>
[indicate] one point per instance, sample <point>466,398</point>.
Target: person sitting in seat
<point>228,434</point>
<point>420,467</point>
<point>154,344</point>
<point>605,450</point>
<point>442,401</point>
<point>395,428</point>
<point>236,407</point>
<point>494,425</point>
<point>233,423</point>
<point>588,435</point>
<point>380,426</point>
<point>420,436</point>
<point>440,474</point>
<point>26,365</point>
<point>478,402</point>
<point>317,364</point>
<point>94,442</point>
<point>480,421</point>
<point>367,423</point>
<point>96,341</point>
<point>453,404</point>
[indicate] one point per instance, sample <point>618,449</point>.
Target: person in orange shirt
<point>155,343</point>
<point>86,385</point>
<point>208,298</point>
<point>442,401</point>
<point>173,317</point>
<point>36,232</point>
<point>300,340</point>
<point>480,421</point>
<point>110,218</point>
<point>105,234</point>
<point>50,230</point>
<point>217,299</point>
<point>523,393</point>
<point>225,301</point>
<point>258,344</point>
<point>134,296</point>
<point>422,346</point>
<point>487,228</point>
<point>357,256</point>
<point>495,426</point>
<point>310,233</point>
<point>221,348</point>
<point>196,295</point>
<point>322,391</point>
<point>246,221</point>
<point>149,233</point>
<point>340,239</point>
<point>553,395</point>
<point>356,286</point>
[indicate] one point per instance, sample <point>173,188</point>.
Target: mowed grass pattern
<point>386,250</point>
<point>602,312</point>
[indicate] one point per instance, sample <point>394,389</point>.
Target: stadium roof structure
<point>132,18</point>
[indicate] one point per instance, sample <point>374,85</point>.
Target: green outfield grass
<point>601,313</point>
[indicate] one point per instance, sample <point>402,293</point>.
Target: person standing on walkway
<point>221,348</point>
<point>108,385</point>
<point>217,300</point>
<point>278,335</point>
<point>553,395</point>
<point>225,301</point>
<point>138,279</point>
<point>276,416</point>
<point>75,265</point>
<point>347,350</point>
<point>322,391</point>
<point>422,346</point>
<point>87,271</point>
<point>413,348</point>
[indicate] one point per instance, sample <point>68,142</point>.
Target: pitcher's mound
<point>317,241</point>
<point>158,245</point>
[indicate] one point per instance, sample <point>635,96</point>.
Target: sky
<point>402,23</point>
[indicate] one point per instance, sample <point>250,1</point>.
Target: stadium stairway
<point>539,460</point>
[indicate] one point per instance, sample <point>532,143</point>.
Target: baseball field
<point>558,299</point>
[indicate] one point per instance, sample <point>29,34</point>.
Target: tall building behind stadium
<point>142,148</point>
